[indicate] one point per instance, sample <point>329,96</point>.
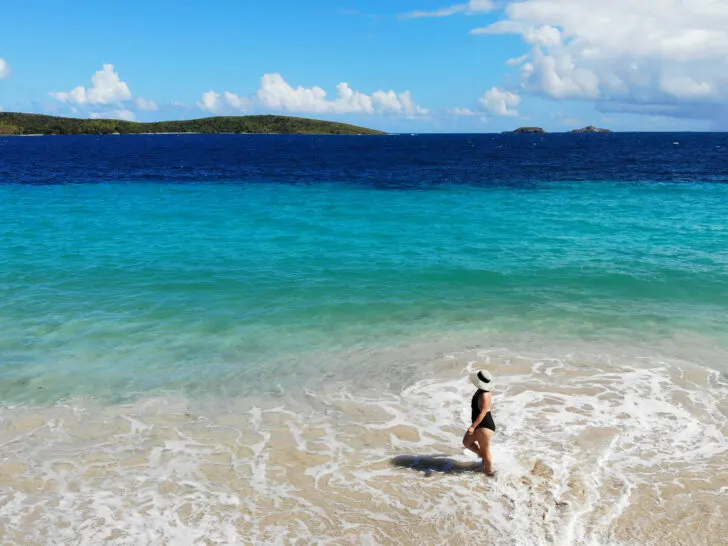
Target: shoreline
<point>591,460</point>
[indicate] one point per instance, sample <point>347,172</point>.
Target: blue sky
<point>408,65</point>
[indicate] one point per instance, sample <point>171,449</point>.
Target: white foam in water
<point>598,451</point>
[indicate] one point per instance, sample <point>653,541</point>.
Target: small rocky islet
<point>526,130</point>
<point>540,131</point>
<point>591,129</point>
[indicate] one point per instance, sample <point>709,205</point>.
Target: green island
<point>13,123</point>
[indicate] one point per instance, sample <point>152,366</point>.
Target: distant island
<point>12,123</point>
<point>591,129</point>
<point>527,130</point>
<point>539,131</point>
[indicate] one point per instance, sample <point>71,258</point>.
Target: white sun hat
<point>482,379</point>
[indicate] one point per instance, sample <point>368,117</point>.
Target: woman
<point>477,438</point>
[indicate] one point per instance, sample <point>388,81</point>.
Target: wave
<point>590,449</point>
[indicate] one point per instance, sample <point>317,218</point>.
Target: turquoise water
<point>116,290</point>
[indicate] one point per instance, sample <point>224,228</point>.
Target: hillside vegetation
<point>12,123</point>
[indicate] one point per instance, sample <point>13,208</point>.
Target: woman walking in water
<point>477,438</point>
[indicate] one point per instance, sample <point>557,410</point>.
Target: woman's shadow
<point>436,463</point>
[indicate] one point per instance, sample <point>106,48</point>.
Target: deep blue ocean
<point>378,162</point>
<point>231,337</point>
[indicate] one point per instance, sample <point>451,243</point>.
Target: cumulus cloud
<point>467,8</point>
<point>107,89</point>
<point>672,54</point>
<point>211,102</point>
<point>145,104</point>
<point>500,102</point>
<point>109,97</point>
<point>217,103</point>
<point>242,104</point>
<point>276,94</point>
<point>4,68</point>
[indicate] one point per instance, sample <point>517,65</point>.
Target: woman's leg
<point>470,442</point>
<point>483,436</point>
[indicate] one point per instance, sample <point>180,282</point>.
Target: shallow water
<point>278,353</point>
<point>589,450</point>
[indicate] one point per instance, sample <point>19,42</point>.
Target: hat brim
<point>475,380</point>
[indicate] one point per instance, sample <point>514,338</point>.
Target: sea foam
<point>587,452</point>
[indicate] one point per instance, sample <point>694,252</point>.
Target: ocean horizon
<point>266,338</point>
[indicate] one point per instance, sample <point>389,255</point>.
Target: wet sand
<point>585,453</point>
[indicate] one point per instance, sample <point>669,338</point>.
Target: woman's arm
<point>484,402</point>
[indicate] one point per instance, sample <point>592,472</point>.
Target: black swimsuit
<point>487,421</point>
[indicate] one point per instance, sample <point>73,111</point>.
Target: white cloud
<point>217,103</point>
<point>468,8</point>
<point>126,115</point>
<point>145,104</point>
<point>4,68</point>
<point>500,102</point>
<point>211,102</point>
<point>242,104</point>
<point>178,103</point>
<point>462,112</point>
<point>107,89</point>
<point>356,102</point>
<point>517,60</point>
<point>672,54</point>
<point>276,94</point>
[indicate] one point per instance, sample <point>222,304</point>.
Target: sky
<point>395,65</point>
